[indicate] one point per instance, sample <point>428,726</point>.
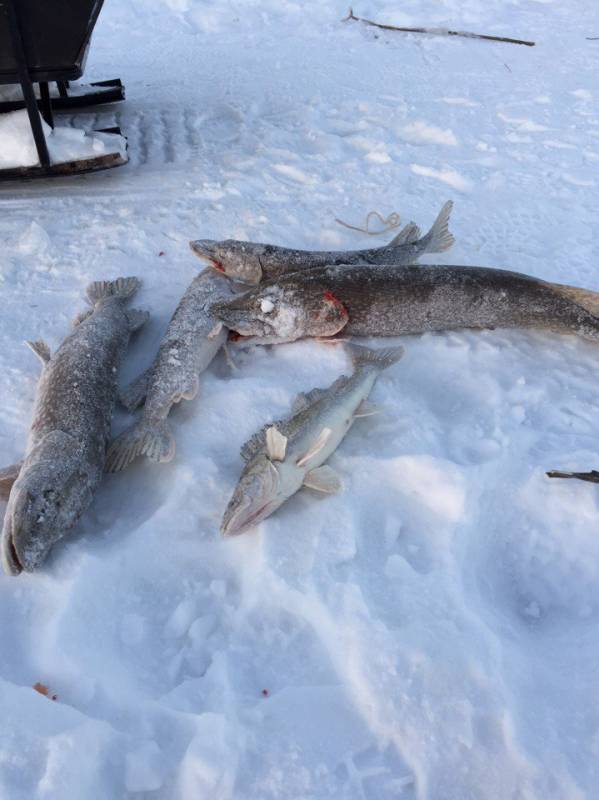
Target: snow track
<point>431,632</point>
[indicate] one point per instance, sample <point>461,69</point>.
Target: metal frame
<point>27,85</point>
<point>99,92</point>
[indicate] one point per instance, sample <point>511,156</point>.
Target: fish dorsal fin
<point>323,479</point>
<point>276,444</point>
<point>41,350</point>
<point>324,437</point>
<point>257,441</point>
<point>408,235</point>
<point>82,316</point>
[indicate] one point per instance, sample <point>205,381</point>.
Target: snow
<point>430,632</point>
<point>64,143</point>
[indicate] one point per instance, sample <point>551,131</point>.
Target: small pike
<point>289,454</point>
<point>250,263</point>
<point>65,453</point>
<point>191,341</point>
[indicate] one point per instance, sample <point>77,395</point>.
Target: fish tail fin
<point>147,438</point>
<point>585,298</point>
<point>124,288</point>
<point>408,235</point>
<point>439,239</point>
<point>383,358</point>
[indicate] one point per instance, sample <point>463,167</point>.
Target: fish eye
<point>267,306</point>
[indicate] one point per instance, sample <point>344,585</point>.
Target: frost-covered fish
<point>192,339</point>
<point>64,458</point>
<point>386,301</point>
<point>289,454</point>
<point>249,262</point>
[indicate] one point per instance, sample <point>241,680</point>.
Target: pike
<point>290,453</point>
<point>250,262</point>
<point>64,458</point>
<point>385,301</point>
<point>192,340</point>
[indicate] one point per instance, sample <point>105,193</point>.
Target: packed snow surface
<point>17,146</point>
<point>432,631</point>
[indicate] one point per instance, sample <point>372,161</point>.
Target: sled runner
<point>43,43</point>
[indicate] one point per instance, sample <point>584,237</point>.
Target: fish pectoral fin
<point>41,350</point>
<point>591,477</point>
<point>367,409</point>
<point>323,479</point>
<point>316,447</point>
<point>8,476</point>
<point>216,330</point>
<point>136,318</point>
<point>135,393</point>
<point>276,444</point>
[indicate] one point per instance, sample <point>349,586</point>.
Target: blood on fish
<point>218,266</point>
<point>234,336</point>
<point>331,298</point>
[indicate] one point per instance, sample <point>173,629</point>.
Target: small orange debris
<point>39,687</point>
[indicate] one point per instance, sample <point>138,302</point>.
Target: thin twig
<point>437,31</point>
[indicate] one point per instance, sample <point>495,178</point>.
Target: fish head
<point>260,491</point>
<point>240,261</point>
<point>271,313</point>
<point>45,501</point>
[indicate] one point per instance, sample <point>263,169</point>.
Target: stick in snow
<point>437,31</point>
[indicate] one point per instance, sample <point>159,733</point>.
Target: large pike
<point>289,454</point>
<point>250,262</point>
<point>386,301</point>
<point>64,458</point>
<point>192,339</point>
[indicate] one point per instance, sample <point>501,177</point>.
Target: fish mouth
<point>240,520</point>
<point>10,558</point>
<point>205,249</point>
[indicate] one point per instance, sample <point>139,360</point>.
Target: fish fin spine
<point>439,239</point>
<point>121,287</point>
<point>276,444</point>
<point>41,350</point>
<point>323,438</point>
<point>323,479</point>
<point>366,409</point>
<point>383,358</point>
<point>407,235</point>
<point>146,438</point>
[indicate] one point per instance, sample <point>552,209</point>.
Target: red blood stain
<point>265,692</point>
<point>331,298</point>
<point>234,336</point>
<point>218,266</point>
<point>161,253</point>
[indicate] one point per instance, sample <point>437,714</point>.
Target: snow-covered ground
<point>432,632</point>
